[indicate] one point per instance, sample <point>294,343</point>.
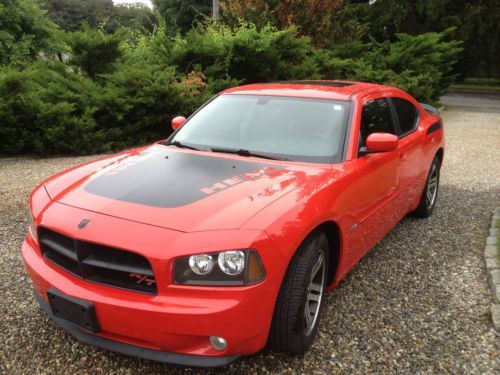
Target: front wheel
<point>299,303</point>
<point>429,195</point>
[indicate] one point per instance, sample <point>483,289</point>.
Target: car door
<point>376,206</point>
<point>411,152</point>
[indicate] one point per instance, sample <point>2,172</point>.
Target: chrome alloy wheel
<point>432,186</point>
<point>315,293</point>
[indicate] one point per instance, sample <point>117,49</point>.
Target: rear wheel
<point>430,193</point>
<point>299,303</point>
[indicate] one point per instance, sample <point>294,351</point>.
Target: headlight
<point>233,267</point>
<point>31,222</point>
<point>232,262</point>
<point>201,264</point>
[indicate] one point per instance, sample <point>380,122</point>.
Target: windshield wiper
<point>182,145</point>
<point>243,152</point>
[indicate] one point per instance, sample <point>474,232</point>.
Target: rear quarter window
<point>407,114</point>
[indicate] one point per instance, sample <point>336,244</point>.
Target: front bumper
<point>133,350</point>
<point>173,326</point>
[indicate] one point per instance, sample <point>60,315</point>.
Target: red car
<point>204,247</point>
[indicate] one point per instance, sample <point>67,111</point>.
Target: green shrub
<point>46,110</point>
<point>93,51</point>
<point>25,32</point>
<point>49,109</point>
<point>421,65</point>
<point>121,90</point>
<point>244,53</point>
<point>140,100</point>
<point>17,110</point>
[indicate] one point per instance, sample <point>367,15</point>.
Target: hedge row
<point>110,92</point>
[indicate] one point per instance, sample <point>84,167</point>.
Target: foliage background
<point>81,77</point>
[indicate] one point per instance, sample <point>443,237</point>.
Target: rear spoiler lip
<point>430,109</point>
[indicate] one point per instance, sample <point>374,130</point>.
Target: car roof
<point>336,90</point>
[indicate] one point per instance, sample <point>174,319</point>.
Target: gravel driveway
<point>417,303</point>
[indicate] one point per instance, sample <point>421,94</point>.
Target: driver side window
<point>375,118</point>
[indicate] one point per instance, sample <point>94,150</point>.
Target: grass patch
<point>478,84</point>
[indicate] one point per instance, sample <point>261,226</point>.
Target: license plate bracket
<point>73,310</point>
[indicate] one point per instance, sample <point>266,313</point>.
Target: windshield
<point>296,129</point>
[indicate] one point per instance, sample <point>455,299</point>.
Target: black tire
<point>290,331</point>
<point>428,198</point>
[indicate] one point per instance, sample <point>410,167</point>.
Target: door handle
<point>403,155</point>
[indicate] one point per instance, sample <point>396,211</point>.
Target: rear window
<point>407,114</point>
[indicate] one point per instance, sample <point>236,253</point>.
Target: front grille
<point>97,263</point>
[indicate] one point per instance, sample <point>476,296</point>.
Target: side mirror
<point>380,142</point>
<point>177,122</point>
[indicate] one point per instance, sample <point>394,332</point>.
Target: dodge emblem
<point>83,223</point>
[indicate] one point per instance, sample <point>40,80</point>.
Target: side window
<point>407,114</point>
<point>375,118</point>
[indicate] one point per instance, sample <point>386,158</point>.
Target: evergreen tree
<point>69,15</point>
<point>180,15</point>
<point>25,32</point>
<point>93,51</point>
<point>476,22</point>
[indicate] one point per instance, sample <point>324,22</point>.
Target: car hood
<point>179,189</point>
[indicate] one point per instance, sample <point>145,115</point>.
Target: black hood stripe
<point>164,178</point>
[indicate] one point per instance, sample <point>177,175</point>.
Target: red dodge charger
<point>223,238</point>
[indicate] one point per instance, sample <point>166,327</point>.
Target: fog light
<point>218,343</point>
